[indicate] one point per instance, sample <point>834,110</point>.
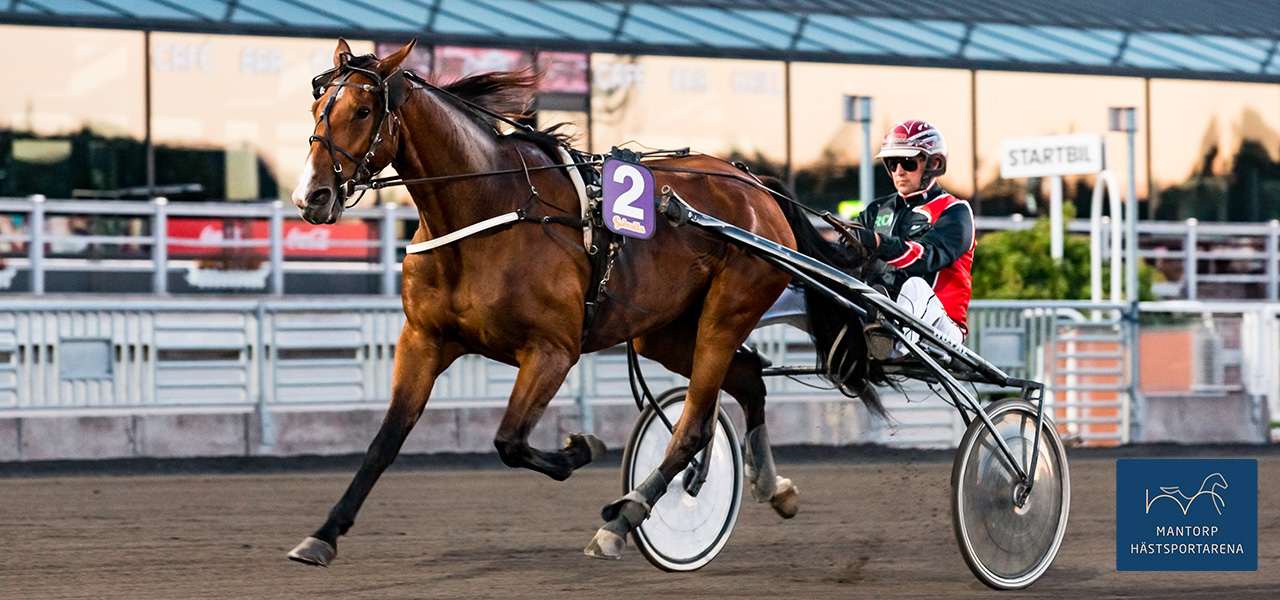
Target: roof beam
<point>799,32</point>
<point>622,21</point>
<point>1271,54</point>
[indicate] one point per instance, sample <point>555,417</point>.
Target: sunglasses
<point>908,163</point>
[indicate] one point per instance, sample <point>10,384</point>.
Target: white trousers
<point>917,298</point>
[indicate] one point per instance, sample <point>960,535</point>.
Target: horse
<point>1212,483</point>
<point>516,293</point>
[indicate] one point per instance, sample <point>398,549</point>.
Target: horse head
<point>1213,481</point>
<point>356,132</point>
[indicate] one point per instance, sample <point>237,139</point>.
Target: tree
<point>1016,265</point>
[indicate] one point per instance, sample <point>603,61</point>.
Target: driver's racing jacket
<point>929,234</point>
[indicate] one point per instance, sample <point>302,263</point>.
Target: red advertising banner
<point>419,59</point>
<point>301,240</point>
<point>455,62</point>
<point>564,72</point>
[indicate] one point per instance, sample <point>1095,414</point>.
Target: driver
<point>923,237</point>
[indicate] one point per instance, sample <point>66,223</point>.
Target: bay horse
<point>515,293</point>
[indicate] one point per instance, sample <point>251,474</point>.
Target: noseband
<point>394,92</point>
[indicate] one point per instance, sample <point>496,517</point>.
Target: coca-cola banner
<point>301,240</point>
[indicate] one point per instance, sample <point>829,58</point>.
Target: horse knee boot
<point>758,465</point>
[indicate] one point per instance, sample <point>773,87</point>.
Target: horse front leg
<point>419,361</point>
<point>541,373</point>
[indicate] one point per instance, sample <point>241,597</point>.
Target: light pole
<point>857,109</point>
<point>1122,118</point>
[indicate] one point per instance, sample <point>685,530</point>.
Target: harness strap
<point>469,230</point>
<point>581,187</point>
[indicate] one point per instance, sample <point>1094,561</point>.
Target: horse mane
<point>509,94</point>
<point>506,93</point>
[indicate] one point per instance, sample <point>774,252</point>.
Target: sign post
<point>1052,156</point>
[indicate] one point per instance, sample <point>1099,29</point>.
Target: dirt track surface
<point>869,528</point>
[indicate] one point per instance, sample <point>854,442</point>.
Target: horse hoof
<point>313,551</point>
<point>606,544</point>
<point>595,448</point>
<point>786,501</point>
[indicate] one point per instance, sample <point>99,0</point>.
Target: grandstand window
<point>827,151</point>
<point>728,108</point>
<point>85,96</point>
<point>1015,105</point>
<point>231,112</point>
<point>1215,145</point>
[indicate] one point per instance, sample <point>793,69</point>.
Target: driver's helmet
<point>914,138</point>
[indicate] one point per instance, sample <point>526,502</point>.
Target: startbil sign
<point>1076,154</point>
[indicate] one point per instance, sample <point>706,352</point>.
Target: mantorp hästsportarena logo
<point>1187,515</point>
<point>1210,487</point>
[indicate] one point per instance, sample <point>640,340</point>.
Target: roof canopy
<point>1223,39</point>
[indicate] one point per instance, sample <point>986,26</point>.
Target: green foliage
<point>1016,265</point>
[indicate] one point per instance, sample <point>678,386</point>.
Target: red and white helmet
<point>914,138</point>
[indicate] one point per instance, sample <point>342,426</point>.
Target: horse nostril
<point>320,196</point>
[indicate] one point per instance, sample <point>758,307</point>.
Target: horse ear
<point>343,48</point>
<point>388,65</point>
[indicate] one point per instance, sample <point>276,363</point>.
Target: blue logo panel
<point>628,199</point>
<point>1186,514</point>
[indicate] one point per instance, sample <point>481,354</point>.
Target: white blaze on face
<point>306,181</point>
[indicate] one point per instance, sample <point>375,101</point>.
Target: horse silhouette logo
<point>1209,488</point>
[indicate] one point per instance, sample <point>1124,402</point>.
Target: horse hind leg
<point>722,327</point>
<point>766,484</point>
<point>625,514</point>
<point>540,376</point>
<point>745,382</point>
<point>692,432</point>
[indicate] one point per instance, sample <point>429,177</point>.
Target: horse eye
<point>362,112</point>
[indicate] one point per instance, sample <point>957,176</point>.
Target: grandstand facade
<point>207,99</point>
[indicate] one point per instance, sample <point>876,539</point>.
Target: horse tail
<point>836,331</point>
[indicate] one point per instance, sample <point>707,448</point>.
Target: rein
<point>597,159</point>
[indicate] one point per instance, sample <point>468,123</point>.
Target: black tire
<point>1005,546</point>
<point>684,532</point>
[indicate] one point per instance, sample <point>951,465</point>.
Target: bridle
<point>394,92</point>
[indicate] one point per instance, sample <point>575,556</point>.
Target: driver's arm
<point>949,238</point>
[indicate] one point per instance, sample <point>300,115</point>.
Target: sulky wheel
<point>1007,546</point>
<point>684,532</point>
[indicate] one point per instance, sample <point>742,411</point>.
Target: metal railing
<point>1242,259</point>
<point>78,356</point>
<point>35,213</point>
<point>1237,260</point>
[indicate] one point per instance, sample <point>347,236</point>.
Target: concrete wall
<point>49,436</point>
<point>919,422</point>
<point>1205,419</point>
